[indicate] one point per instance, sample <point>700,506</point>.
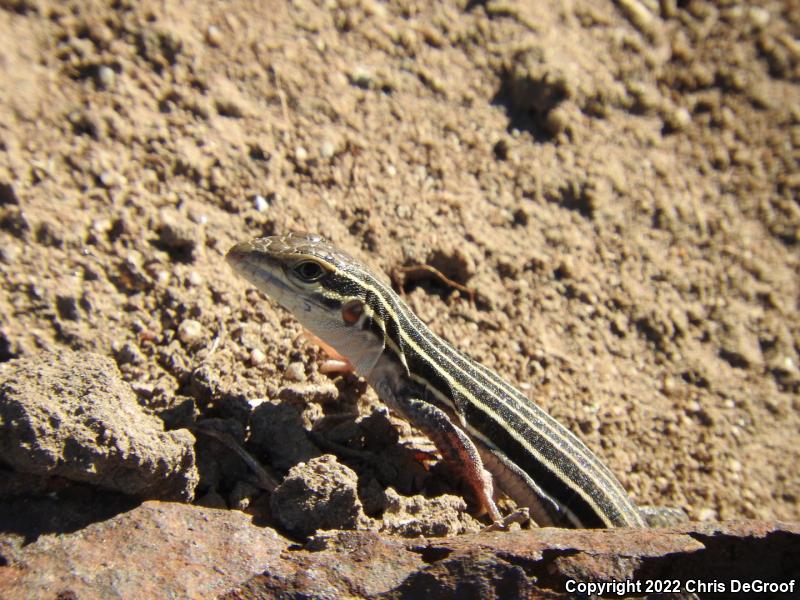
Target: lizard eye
<point>309,271</point>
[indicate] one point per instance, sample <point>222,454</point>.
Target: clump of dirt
<point>618,185</point>
<point>70,416</point>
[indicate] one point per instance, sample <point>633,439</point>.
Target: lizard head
<point>325,289</point>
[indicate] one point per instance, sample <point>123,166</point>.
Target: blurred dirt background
<point>617,181</point>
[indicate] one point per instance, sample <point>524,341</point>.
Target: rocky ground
<point>612,185</point>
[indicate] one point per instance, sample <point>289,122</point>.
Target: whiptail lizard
<point>477,421</point>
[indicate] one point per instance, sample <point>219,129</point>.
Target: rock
<point>180,238</point>
<point>7,194</point>
<point>160,48</point>
<point>159,550</point>
<point>296,371</point>
<point>71,415</point>
<point>67,307</point>
<point>738,346</point>
<point>106,77</point>
<point>190,331</point>
<point>362,77</point>
<point>412,516</point>
<point>536,84</point>
<point>537,563</point>
<point>327,149</point>
<point>156,550</point>
<point>129,353</point>
<point>320,494</point>
<point>640,17</point>
<point>261,203</point>
<point>214,36</point>
<point>257,357</point>
<point>14,221</point>
<point>130,275</point>
<point>322,393</point>
<point>277,431</point>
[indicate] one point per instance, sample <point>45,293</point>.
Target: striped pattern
<point>571,486</point>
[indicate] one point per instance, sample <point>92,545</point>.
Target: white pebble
<point>681,119</point>
<point>758,16</point>
<point>707,514</point>
<point>327,149</point>
<point>214,36</point>
<point>257,356</point>
<point>106,77</point>
<point>300,153</point>
<point>111,179</point>
<point>193,279</point>
<point>362,76</point>
<point>256,402</point>
<point>101,225</point>
<point>296,371</point>
<point>261,203</point>
<point>190,331</point>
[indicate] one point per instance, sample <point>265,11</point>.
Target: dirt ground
<point>618,182</point>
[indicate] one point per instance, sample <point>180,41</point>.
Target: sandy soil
<point>618,182</point>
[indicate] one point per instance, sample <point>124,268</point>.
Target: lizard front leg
<point>457,449</point>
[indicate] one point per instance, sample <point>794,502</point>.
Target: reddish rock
<point>157,550</point>
<point>161,550</point>
<point>536,563</point>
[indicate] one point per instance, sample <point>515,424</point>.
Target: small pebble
<point>707,514</point>
<point>190,331</point>
<point>257,356</point>
<point>214,36</point>
<point>261,203</point>
<point>193,279</point>
<point>9,254</point>
<point>327,149</point>
<point>301,154</point>
<point>256,402</point>
<point>310,392</point>
<point>693,407</point>
<point>106,77</point>
<point>680,119</point>
<point>243,495</point>
<point>130,354</point>
<point>296,371</point>
<point>669,386</point>
<point>110,179</point>
<point>101,225</point>
<point>758,16</point>
<point>362,77</point>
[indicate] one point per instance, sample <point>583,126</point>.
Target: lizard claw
<point>518,516</point>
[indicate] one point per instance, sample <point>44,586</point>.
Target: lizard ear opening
<point>352,311</point>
